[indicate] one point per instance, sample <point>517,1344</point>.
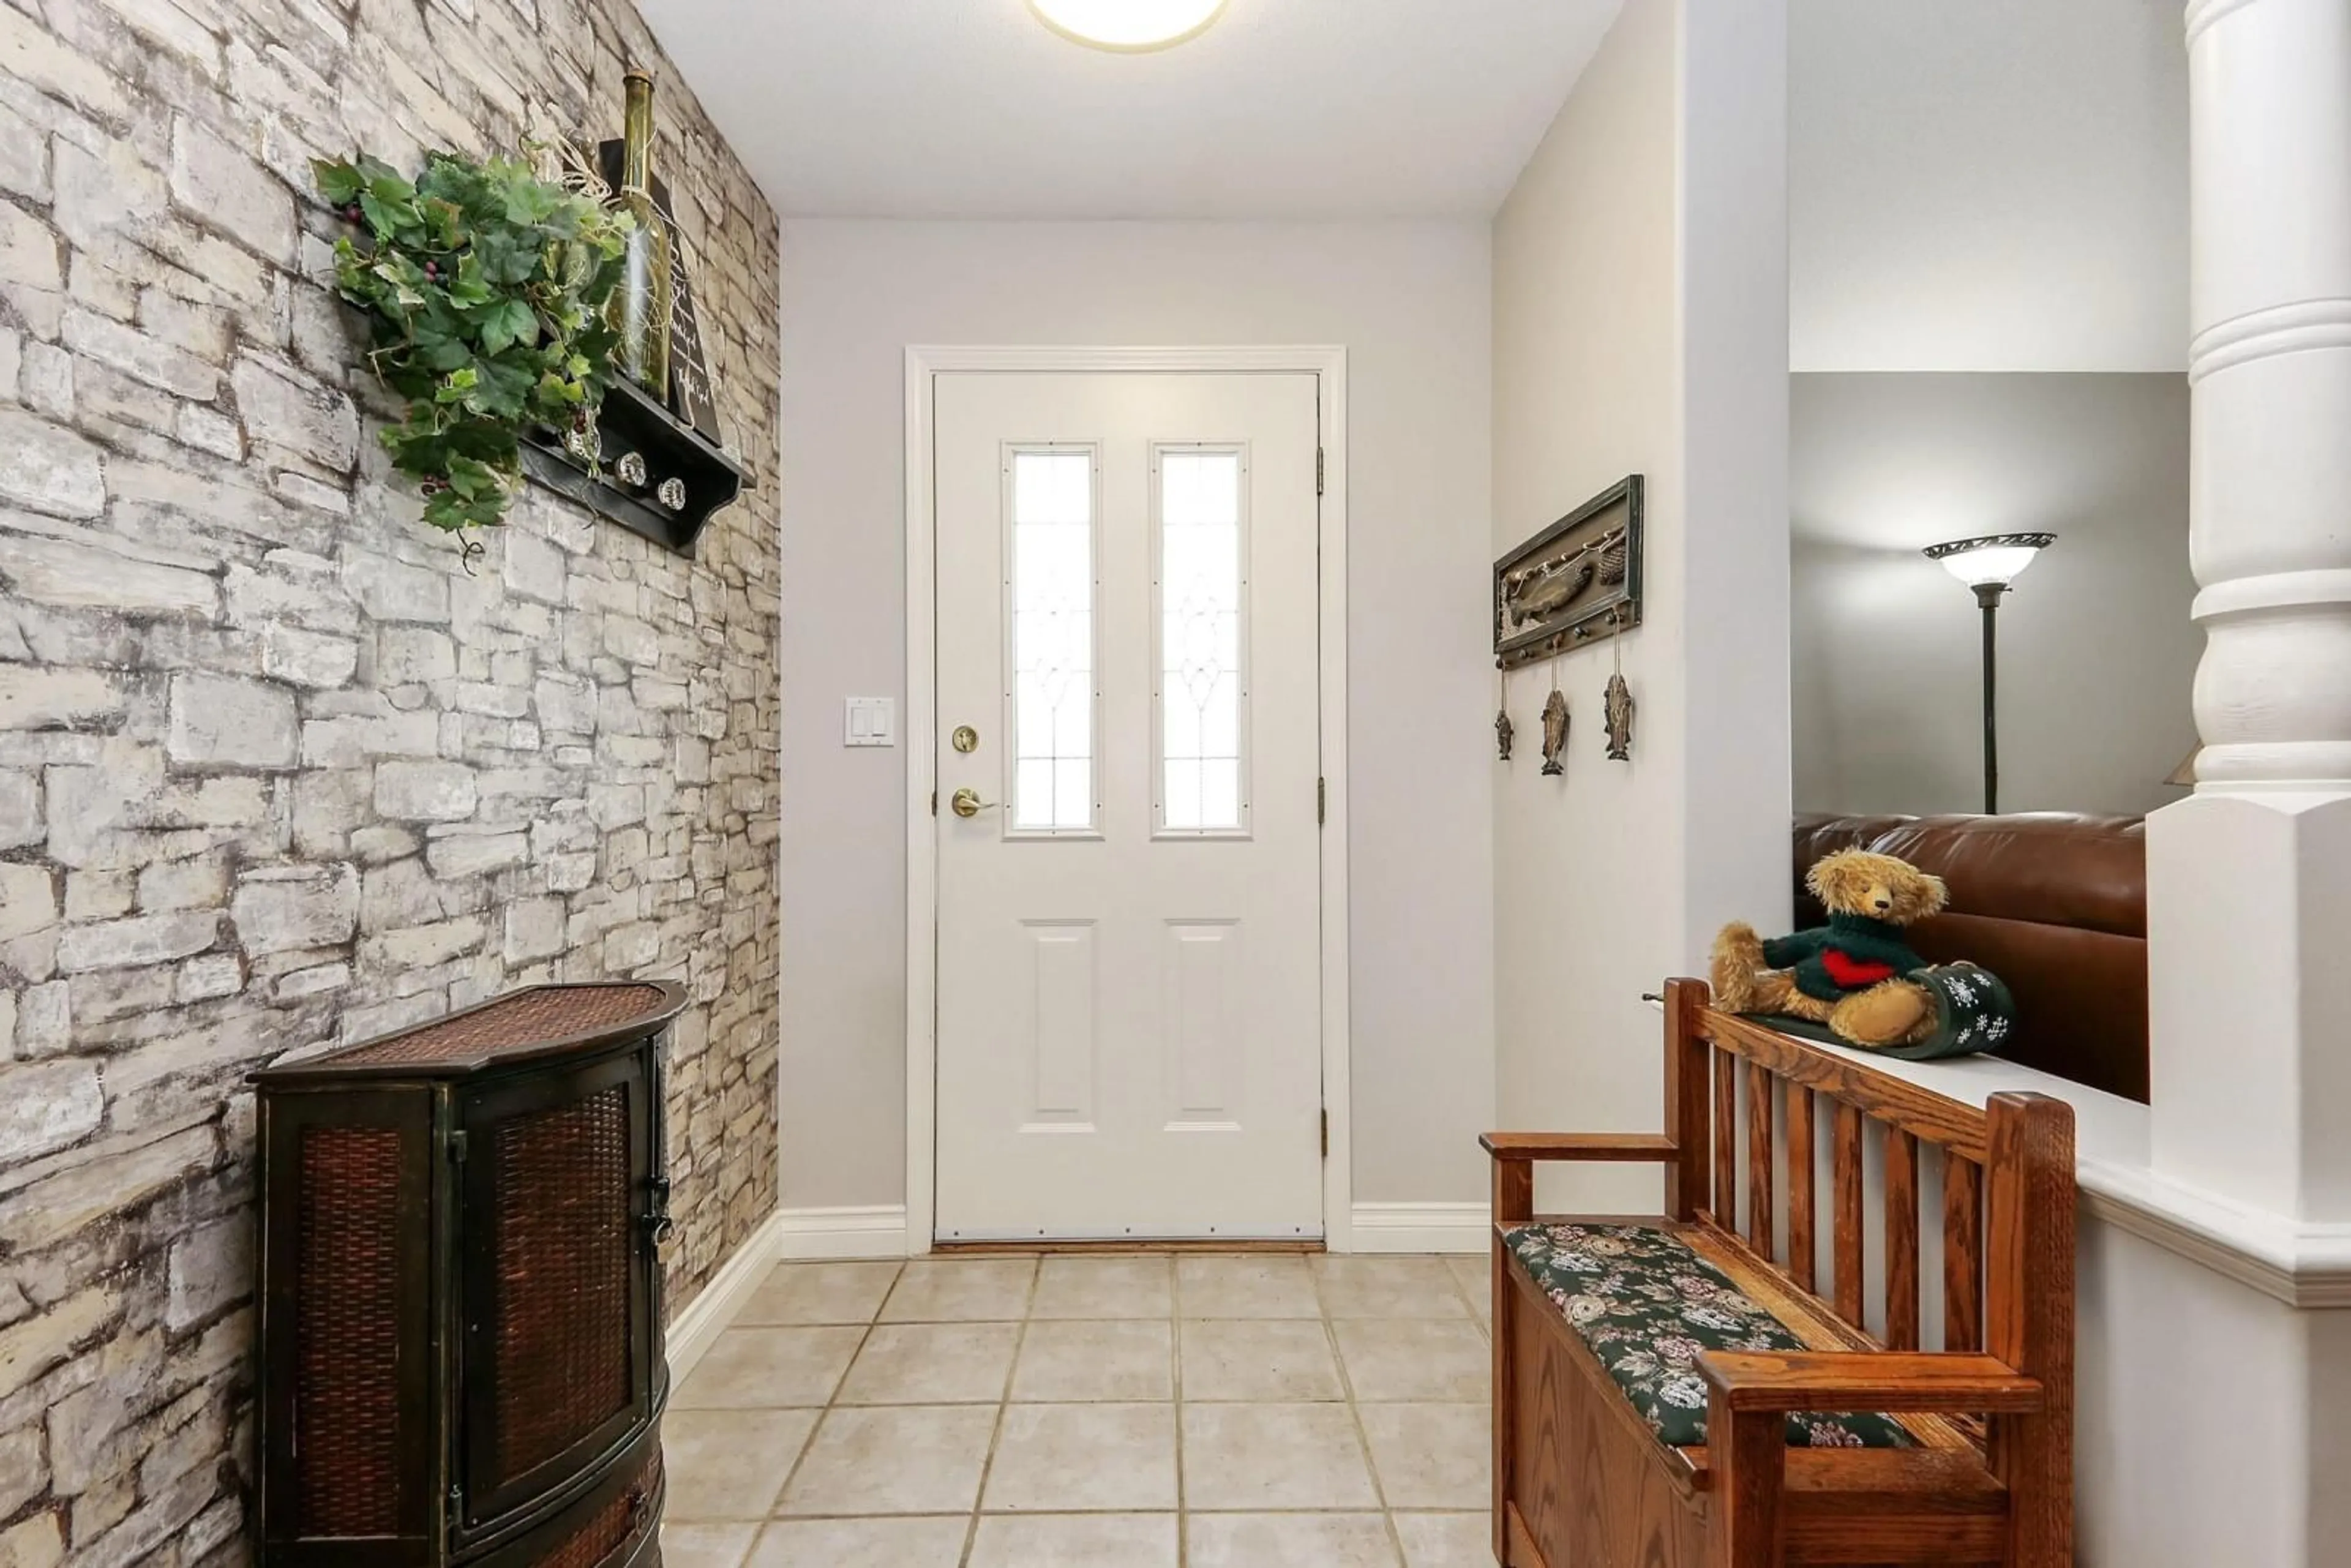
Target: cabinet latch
<point>657,1222</point>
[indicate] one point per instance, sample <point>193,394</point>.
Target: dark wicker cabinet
<point>461,1317</point>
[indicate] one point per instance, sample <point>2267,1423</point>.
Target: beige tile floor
<point>1259,1411</point>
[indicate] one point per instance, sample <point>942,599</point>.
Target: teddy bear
<point>1850,974</point>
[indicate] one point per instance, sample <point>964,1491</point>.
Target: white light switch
<point>869,721</point>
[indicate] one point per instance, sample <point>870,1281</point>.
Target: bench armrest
<point>1524,1148</point>
<point>1921,1382</point>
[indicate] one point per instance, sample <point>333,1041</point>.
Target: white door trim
<point>924,364</point>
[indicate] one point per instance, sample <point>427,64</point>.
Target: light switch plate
<point>869,721</point>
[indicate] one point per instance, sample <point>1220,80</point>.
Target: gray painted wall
<point>1991,185</point>
<point>2096,650</point>
<point>1411,302</point>
<point>1639,327</point>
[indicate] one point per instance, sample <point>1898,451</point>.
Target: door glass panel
<point>1052,634</point>
<point>1203,685</point>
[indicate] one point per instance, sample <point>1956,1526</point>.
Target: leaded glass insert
<point>1052,616</point>
<point>1203,686</point>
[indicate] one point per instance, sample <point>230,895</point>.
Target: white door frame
<point>924,364</point>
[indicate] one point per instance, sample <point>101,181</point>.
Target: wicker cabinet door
<point>557,1330</point>
<point>345,1442</point>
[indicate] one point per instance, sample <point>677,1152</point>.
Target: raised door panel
<point>1202,980</point>
<point>1062,1032</point>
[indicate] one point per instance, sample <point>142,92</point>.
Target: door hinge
<point>458,1146</point>
<point>1326,1134</point>
<point>1322,802</point>
<point>1318,471</point>
<point>935,802</point>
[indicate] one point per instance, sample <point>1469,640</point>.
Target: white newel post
<point>2218,1427</point>
<point>2249,883</point>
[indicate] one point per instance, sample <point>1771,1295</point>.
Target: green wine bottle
<point>641,304</point>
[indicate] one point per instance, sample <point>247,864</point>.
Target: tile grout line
<point>1356,1420</point>
<point>1175,1391</point>
<point>1461,1288</point>
<point>808,1444</point>
<point>1003,1409</point>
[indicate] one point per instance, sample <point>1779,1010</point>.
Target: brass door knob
<point>968,803</point>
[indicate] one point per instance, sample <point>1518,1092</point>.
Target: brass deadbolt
<point>964,739</point>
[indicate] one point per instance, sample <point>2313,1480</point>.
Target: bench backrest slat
<point>1963,1254</point>
<point>1901,1240</point>
<point>1726,1141</point>
<point>1847,1225</point>
<point>1804,1148</point>
<point>1759,1161</point>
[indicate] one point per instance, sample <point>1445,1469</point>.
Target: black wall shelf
<point>633,421</point>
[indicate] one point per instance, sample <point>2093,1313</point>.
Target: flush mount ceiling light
<point>1128,27</point>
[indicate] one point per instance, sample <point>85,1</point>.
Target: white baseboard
<point>1420,1227</point>
<point>878,1232</point>
<point>696,1329</point>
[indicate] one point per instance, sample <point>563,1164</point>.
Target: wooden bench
<point>1581,1481</point>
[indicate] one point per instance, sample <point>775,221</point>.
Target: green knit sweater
<point>1851,953</point>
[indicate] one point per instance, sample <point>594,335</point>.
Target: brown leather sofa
<point>2054,903</point>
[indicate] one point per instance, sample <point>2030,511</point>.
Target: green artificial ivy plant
<point>484,287</point>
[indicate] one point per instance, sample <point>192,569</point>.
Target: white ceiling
<point>1285,108</point>
<point>1987,186</point>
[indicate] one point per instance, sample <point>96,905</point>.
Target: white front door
<point>1129,989</point>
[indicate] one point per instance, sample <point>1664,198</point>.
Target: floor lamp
<point>1989,565</point>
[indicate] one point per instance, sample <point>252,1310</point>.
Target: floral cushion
<point>1648,1306</point>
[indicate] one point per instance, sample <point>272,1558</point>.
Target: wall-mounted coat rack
<point>1576,582</point>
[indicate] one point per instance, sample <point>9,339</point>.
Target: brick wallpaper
<point>275,769</point>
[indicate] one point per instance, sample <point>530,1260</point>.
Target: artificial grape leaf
<point>443,221</point>
<point>338,182</point>
<point>528,202</point>
<point>506,323</point>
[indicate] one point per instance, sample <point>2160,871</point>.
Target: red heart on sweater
<point>1854,973</point>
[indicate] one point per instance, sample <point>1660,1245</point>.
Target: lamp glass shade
<point>1128,26</point>
<point>1993,562</point>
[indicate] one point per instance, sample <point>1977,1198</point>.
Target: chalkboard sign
<point>692,396</point>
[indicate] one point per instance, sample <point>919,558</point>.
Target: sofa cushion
<point>1648,1307</point>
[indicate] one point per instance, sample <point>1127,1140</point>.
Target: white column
<point>2250,880</point>
<point>2212,1378</point>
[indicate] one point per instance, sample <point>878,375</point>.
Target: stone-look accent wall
<point>275,769</point>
